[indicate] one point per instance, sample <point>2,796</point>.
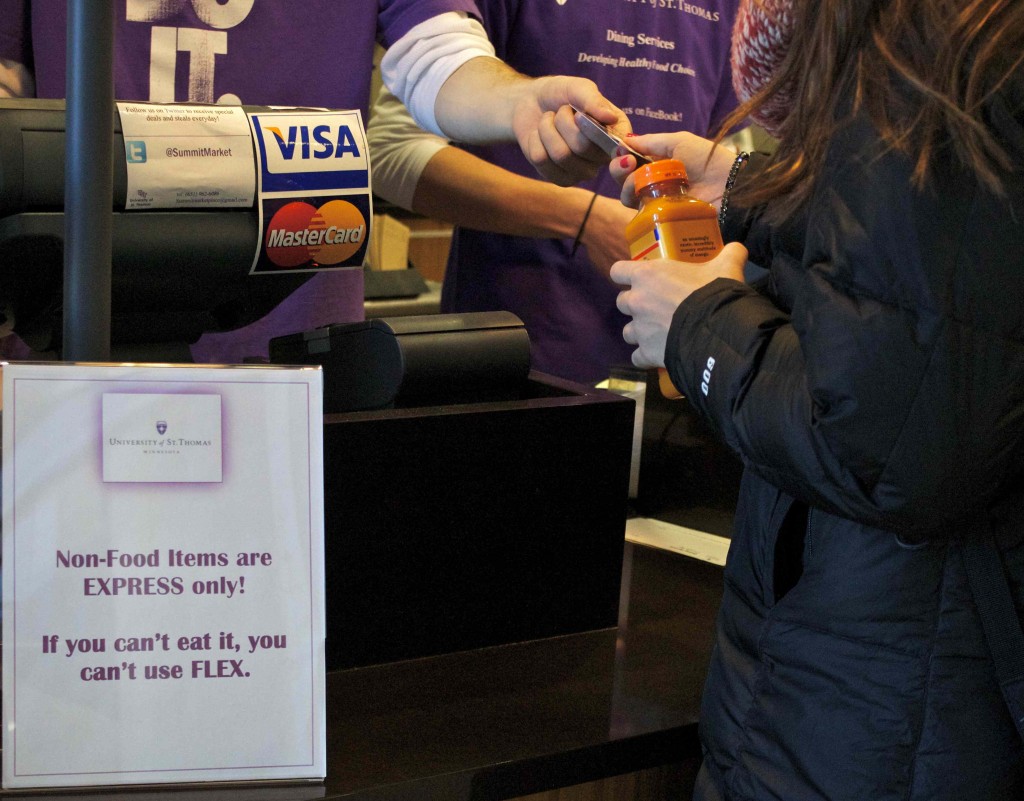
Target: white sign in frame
<point>162,575</point>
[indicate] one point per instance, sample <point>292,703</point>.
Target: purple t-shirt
<point>271,52</point>
<point>666,64</point>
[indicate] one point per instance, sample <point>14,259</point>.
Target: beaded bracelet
<point>733,172</point>
<point>579,234</point>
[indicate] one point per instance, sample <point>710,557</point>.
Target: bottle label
<point>683,240</point>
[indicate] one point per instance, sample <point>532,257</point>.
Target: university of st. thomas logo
<point>161,427</point>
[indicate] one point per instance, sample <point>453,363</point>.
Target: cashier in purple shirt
<point>316,53</point>
<point>537,250</point>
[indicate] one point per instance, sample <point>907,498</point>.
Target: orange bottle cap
<point>656,171</point>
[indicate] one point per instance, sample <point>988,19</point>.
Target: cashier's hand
<point>486,101</point>
<point>654,289</point>
<point>546,129</point>
<point>706,176</point>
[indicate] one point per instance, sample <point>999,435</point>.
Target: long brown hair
<point>922,71</point>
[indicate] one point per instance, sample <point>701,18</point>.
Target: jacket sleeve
<point>891,388</point>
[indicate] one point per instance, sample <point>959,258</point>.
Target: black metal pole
<point>88,180</point>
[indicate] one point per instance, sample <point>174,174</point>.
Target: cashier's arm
<point>15,80</point>
<point>445,72</point>
<point>420,171</point>
<point>535,111</point>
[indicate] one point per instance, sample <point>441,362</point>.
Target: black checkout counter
<point>507,721</point>
<point>512,720</point>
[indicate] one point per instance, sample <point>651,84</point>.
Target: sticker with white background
<point>313,196</point>
<point>187,156</point>
<point>156,437</point>
<point>162,575</point>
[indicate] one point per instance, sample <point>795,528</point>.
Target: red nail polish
<point>624,162</point>
<point>630,134</point>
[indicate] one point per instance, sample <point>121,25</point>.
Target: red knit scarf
<point>760,40</point>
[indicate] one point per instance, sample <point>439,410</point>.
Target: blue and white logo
<point>311,151</point>
<point>135,151</point>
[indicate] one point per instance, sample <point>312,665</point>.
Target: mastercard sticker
<point>300,232</point>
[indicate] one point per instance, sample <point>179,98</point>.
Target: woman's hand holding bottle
<point>654,290</point>
<point>706,176</point>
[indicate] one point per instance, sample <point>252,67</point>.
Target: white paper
<point>679,539</point>
<point>190,156</point>
<point>167,630</point>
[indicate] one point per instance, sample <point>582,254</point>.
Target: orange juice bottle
<point>670,224</point>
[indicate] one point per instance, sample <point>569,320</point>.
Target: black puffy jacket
<point>875,390</point>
